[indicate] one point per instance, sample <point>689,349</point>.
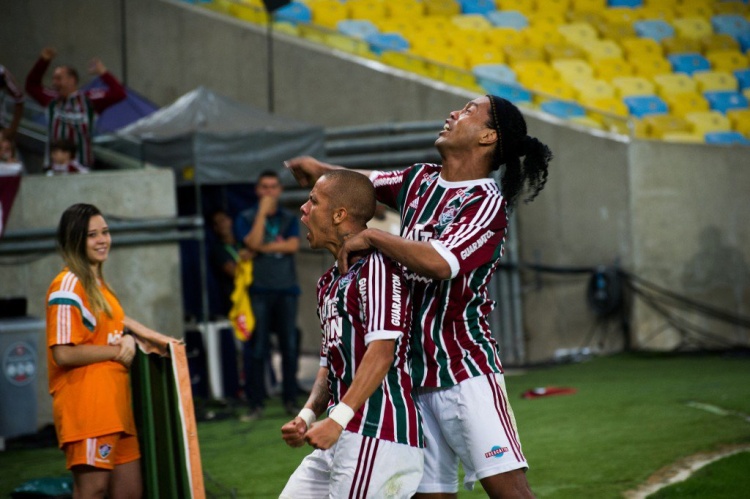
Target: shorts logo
<point>104,450</point>
<point>496,451</point>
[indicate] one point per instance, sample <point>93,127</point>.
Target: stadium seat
<point>578,34</point>
<point>445,8</point>
<point>730,24</point>
<point>381,42</point>
<point>529,72</point>
<point>526,7</point>
<point>563,109</point>
<point>608,69</point>
<point>471,39</point>
<point>658,12</point>
<point>743,78</point>
<point>503,37</point>
<point>543,34</point>
<point>645,105</point>
<point>728,138</point>
<point>684,137</point>
<point>294,13</point>
<point>597,50</point>
<point>684,103</point>
<point>405,8</point>
<point>641,47</point>
<point>572,70</point>
<point>709,81</point>
<point>688,63</point>
<point>659,124</point>
<point>655,29</point>
<point>328,13</point>
<point>625,3</point>
<point>621,15</point>
<point>477,6</point>
<point>612,109</point>
<point>724,101</point>
<point>649,67</point>
<point>727,60</point>
<point>366,9</point>
<point>471,21</point>
<point>555,51</point>
<point>592,89</point>
<point>488,54</point>
<point>694,9</point>
<point>694,28</point>
<point>744,41</point>
<point>519,53</point>
<point>740,120</point>
<point>731,7</point>
<point>589,5</point>
<point>629,86</point>
<point>508,19</point>
<point>489,74</point>
<point>720,41</point>
<point>708,121</point>
<point>673,46</point>
<point>674,83</point>
<point>616,31</point>
<point>551,89</point>
<point>357,28</point>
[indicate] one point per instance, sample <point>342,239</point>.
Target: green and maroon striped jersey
<point>370,303</point>
<point>466,223</point>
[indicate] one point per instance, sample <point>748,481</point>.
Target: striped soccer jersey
<point>91,400</point>
<point>369,303</point>
<point>466,223</point>
<point>72,117</point>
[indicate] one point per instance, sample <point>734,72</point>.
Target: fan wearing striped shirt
<point>370,445</point>
<point>453,225</point>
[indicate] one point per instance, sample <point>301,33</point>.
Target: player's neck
<point>468,165</point>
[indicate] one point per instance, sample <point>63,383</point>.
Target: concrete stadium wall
<point>608,201</point>
<point>145,278</point>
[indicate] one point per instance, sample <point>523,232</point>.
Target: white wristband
<point>308,416</point>
<point>342,414</point>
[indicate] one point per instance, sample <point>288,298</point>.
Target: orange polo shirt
<point>93,400</point>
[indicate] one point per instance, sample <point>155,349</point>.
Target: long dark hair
<point>513,144</point>
<point>72,234</point>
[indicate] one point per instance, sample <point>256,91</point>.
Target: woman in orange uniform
<point>89,357</point>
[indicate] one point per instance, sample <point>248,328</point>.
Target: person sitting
<point>63,156</point>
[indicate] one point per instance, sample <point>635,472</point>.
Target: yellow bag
<point>241,314</point>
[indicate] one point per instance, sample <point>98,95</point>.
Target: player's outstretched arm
<point>293,432</point>
<point>369,375</point>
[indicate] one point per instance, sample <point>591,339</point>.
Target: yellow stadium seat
<point>736,7</point>
<point>649,67</point>
<point>436,23</point>
<point>641,47</point>
<point>610,68</point>
<point>684,137</point>
<point>718,41</point>
<point>366,9</point>
<point>686,103</point>
<point>528,72</point>
<point>674,83</point>
<point>471,39</point>
<point>471,21</point>
<point>518,53</point>
<point>727,60</point>
<point>405,8</point>
<point>616,31</point>
<point>593,89</point>
<point>506,36</point>
<point>407,61</point>
<point>448,56</point>
<point>572,70</point>
<point>442,7</point>
<point>693,28</point>
<point>588,5</point>
<point>554,5</point>
<point>709,81</point>
<point>740,120</point>
<point>555,51</point>
<point>622,15</point>
<point>524,6</point>
<point>708,121</point>
<point>485,55</point>
<point>597,50</point>
<point>402,25</point>
<point>658,11</point>
<point>694,9</point>
<point>551,89</point>
<point>578,34</point>
<point>627,86</point>
<point>328,13</point>
<point>677,45</point>
<point>593,18</point>
<point>746,93</point>
<point>659,124</point>
<point>541,35</point>
<point>547,17</point>
<point>248,12</point>
<point>610,111</point>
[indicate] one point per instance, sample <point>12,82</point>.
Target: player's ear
<point>489,136</point>
<point>339,215</point>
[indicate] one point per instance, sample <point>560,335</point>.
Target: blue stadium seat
<point>294,13</point>
<point>743,78</point>
<point>744,41</point>
<point>508,19</point>
<point>730,24</point>
<point>645,105</point>
<point>726,138</point>
<point>381,42</point>
<point>654,28</point>
<point>724,101</point>
<point>357,28</point>
<point>563,109</point>
<point>625,3</point>
<point>689,63</point>
<point>493,73</point>
<point>477,6</point>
